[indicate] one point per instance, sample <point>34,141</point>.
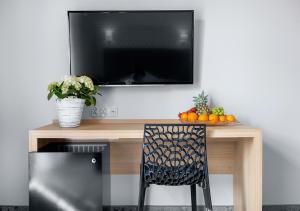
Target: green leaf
<point>87,102</point>
<point>93,100</point>
<point>59,94</point>
<point>50,95</point>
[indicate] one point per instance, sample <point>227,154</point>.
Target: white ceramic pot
<point>69,111</point>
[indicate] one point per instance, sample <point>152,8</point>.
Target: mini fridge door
<point>65,181</point>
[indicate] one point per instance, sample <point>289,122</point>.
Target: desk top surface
<point>132,128</point>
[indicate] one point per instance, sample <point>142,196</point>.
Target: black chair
<point>175,154</point>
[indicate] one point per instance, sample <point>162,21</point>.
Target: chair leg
<point>194,197</point>
<point>207,196</point>
<point>142,191</point>
<point>141,197</point>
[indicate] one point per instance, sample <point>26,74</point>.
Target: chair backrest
<point>174,154</point>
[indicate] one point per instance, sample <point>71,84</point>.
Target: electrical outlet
<point>98,112</point>
<point>112,111</point>
<point>94,111</point>
<point>104,112</point>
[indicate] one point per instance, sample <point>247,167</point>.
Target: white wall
<point>247,57</point>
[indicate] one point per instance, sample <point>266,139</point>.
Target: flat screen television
<point>132,47</point>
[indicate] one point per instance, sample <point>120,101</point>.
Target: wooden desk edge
<point>89,130</point>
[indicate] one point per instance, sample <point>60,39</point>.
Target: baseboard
<point>281,207</point>
<point>14,208</point>
<point>171,208</point>
<point>133,208</point>
<point>168,208</point>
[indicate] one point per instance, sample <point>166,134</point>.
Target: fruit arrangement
<point>203,113</point>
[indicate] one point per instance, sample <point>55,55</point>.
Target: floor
<point>133,208</point>
<point>158,208</point>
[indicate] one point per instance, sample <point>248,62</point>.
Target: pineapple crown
<point>201,99</point>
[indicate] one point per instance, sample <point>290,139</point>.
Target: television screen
<point>132,47</point>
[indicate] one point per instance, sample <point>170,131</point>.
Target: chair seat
<point>181,175</point>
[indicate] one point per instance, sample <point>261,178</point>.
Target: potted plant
<point>72,93</point>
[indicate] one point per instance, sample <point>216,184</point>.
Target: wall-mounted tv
<point>132,47</point>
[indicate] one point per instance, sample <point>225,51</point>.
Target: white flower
<point>64,88</point>
<point>87,82</point>
<point>52,85</point>
<point>71,81</point>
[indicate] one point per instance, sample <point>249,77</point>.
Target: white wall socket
<point>111,111</point>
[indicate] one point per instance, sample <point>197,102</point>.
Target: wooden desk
<point>233,150</point>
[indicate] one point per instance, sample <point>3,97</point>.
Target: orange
<point>192,117</point>
<point>213,118</point>
<point>214,121</point>
<point>203,117</point>
<point>222,118</point>
<point>183,116</point>
<point>230,118</point>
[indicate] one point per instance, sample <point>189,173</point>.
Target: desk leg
<point>248,175</point>
<point>33,144</point>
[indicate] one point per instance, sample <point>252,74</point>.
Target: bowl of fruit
<point>202,113</point>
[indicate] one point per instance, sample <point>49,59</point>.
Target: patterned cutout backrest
<point>176,150</point>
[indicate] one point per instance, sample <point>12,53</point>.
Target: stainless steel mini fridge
<point>69,177</point>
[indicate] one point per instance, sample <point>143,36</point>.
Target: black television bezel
<point>137,11</point>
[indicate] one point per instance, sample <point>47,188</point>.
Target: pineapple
<point>200,102</point>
